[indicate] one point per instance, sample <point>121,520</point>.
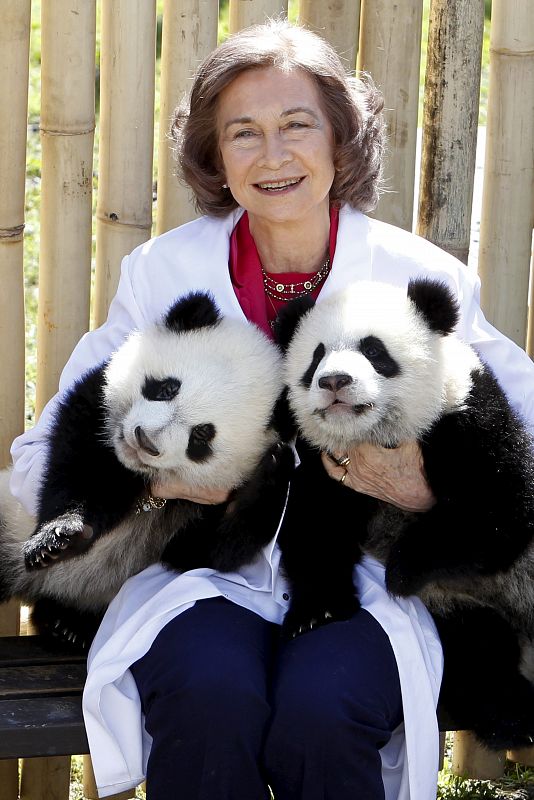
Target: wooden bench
<point>41,687</point>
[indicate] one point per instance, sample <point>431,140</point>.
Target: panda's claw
<point>52,541</point>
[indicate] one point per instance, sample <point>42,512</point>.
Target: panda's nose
<point>335,382</point>
<point>144,442</point>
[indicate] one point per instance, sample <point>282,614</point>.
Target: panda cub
<point>193,397</point>
<point>378,364</point>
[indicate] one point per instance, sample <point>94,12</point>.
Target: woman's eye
<point>244,134</point>
<point>296,125</point>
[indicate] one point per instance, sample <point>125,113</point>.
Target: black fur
<point>159,389</point>
<point>195,310</point>
<point>436,303</point>
<point>286,323</point>
<point>282,420</point>
<point>377,353</point>
<point>215,539</point>
<point>482,689</point>
<point>318,355</point>
<point>65,623</point>
<point>479,465</point>
<point>199,448</point>
<point>319,546</point>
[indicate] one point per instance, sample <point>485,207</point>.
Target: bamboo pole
<point>90,792</point>
<point>523,755</point>
<point>46,778</point>
<point>471,760</point>
<point>338,22</point>
<point>508,192</point>
<point>127,74</point>
<point>251,12</point>
<point>68,36</point>
<point>530,333</point>
<point>450,123</point>
<point>189,34</point>
<point>14,64</point>
<point>67,131</point>
<point>390,51</point>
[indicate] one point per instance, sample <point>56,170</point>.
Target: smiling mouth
<point>274,187</point>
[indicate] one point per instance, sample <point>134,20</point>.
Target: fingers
<point>393,475</point>
<point>177,490</point>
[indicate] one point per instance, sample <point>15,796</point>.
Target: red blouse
<point>247,280</point>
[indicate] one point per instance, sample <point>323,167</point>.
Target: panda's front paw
<point>304,617</point>
<point>54,541</point>
<point>70,626</point>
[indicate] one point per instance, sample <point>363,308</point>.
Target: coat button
<point>285,596</point>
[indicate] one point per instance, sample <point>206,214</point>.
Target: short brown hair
<point>352,106</point>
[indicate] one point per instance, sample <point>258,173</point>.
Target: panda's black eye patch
<point>162,389</point>
<point>200,436</point>
<point>377,353</point>
<point>318,355</point>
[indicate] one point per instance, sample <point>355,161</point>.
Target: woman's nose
<point>274,152</point>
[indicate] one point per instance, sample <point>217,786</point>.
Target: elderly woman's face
<point>276,144</point>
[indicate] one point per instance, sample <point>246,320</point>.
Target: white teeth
<point>278,184</point>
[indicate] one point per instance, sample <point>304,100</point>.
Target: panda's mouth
<point>339,407</point>
<point>130,456</point>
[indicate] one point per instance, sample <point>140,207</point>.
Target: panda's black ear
<point>288,318</point>
<point>195,310</point>
<point>436,302</point>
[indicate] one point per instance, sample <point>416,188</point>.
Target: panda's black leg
<point>254,514</point>
<point>319,542</point>
<point>482,688</point>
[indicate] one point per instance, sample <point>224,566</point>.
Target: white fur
<point>402,407</point>
<point>231,377</point>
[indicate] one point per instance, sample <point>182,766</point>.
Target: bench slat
<point>42,681</point>
<point>18,650</point>
<point>47,726</point>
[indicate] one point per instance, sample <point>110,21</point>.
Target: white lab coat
<point>195,256</point>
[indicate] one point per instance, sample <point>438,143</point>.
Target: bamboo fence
<point>380,37</point>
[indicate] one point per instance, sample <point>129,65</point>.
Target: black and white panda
<point>193,397</point>
<point>378,364</point>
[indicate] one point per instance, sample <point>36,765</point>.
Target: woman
<point>283,153</point>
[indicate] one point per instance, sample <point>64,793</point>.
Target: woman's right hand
<point>178,490</point>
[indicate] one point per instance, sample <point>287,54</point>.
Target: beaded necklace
<point>284,292</point>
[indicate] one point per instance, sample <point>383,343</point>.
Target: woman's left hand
<point>394,475</point>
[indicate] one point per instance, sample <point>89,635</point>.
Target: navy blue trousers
<point>232,710</point>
